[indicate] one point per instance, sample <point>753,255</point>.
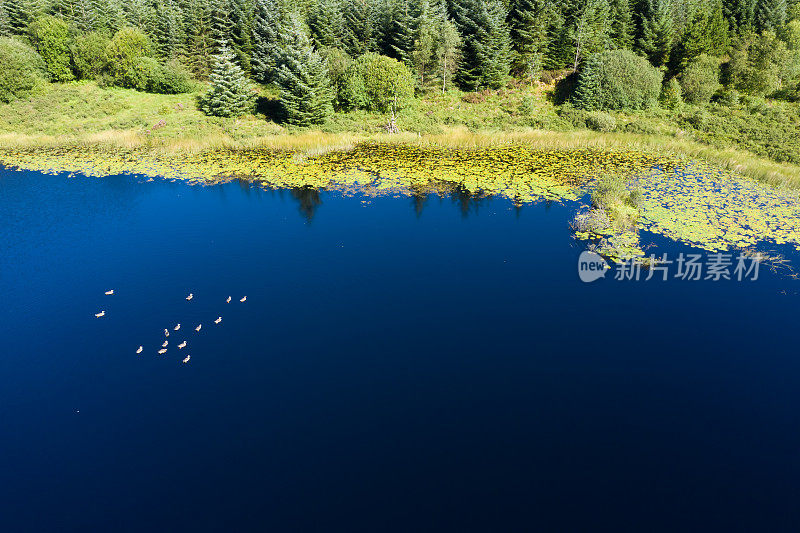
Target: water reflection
<point>309,199</point>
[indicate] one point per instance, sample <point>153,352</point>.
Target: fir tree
<point>403,28</point>
<point>588,92</point>
<point>770,15</point>
<point>305,93</point>
<point>5,22</point>
<point>241,32</point>
<point>199,47</point>
<point>230,94</point>
<point>658,31</point>
<point>486,47</point>
<point>267,28</point>
<point>168,33</point>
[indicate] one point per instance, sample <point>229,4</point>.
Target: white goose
<point>198,327</point>
<point>228,300</point>
<point>189,297</point>
<point>166,332</point>
<point>162,351</point>
<point>182,345</point>
<point>218,320</point>
<point>109,293</point>
<point>177,327</point>
<point>100,314</point>
<point>186,359</point>
<point>140,349</point>
<point>244,299</point>
<point>165,344</point>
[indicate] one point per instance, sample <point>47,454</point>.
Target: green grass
<point>761,140</point>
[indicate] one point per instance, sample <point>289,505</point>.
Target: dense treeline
<point>375,54</point>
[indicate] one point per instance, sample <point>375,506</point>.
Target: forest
<point>321,58</point>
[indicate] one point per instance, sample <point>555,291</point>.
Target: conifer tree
<point>199,39</point>
<point>326,23</point>
<point>587,95</point>
<point>486,46</point>
<point>528,22</point>
<point>267,28</point>
<point>305,93</point>
<point>402,32</point>
<point>770,15</point>
<point>5,23</point>
<point>221,25</point>
<point>241,32</point>
<point>168,33</point>
<point>357,31</point>
<point>231,94</point>
<point>658,32</point>
<point>622,24</point>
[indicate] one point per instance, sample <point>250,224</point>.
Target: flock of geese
<point>183,344</point>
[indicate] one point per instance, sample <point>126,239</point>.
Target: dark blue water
<point>399,365</point>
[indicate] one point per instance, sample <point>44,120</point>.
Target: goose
<point>109,293</point>
<point>244,299</point>
<point>228,300</point>
<point>182,345</point>
<point>218,320</point>
<point>166,332</point>
<point>100,314</point>
<point>189,297</point>
<point>165,344</point>
<point>140,349</point>
<point>186,359</point>
<point>198,327</point>
<point>177,327</point>
<point>162,351</point>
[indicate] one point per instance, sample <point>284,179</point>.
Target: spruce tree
<point>658,31</point>
<point>326,23</point>
<point>357,31</point>
<point>231,94</point>
<point>588,92</point>
<point>199,47</point>
<point>402,32</point>
<point>770,15</point>
<point>267,28</point>
<point>486,47</point>
<point>305,93</point>
<point>168,33</point>
<point>528,22</point>
<point>622,24</point>
<point>5,22</point>
<point>241,32</point>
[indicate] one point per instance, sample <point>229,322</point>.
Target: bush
<point>376,83</point>
<point>672,95</point>
<point>700,79</point>
<point>123,52</point>
<point>23,69</point>
<point>51,38</point>
<point>600,121</point>
<point>155,77</point>
<point>572,116</point>
<point>758,64</point>
<point>618,79</point>
<point>89,55</point>
<point>727,97</point>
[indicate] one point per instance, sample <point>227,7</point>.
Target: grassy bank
<point>84,115</point>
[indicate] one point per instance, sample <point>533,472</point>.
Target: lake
<point>400,364</point>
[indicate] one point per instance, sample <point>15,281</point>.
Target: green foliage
<point>357,29</point>
<point>657,32</point>
<point>528,21</point>
<point>326,23</point>
<point>123,53</point>
<point>153,76</point>
<point>305,92</point>
<point>51,38</point>
<point>23,69</point>
<point>672,95</point>
<point>89,55</point>
<point>230,94</point>
<point>770,15</point>
<point>700,79</point>
<point>706,33</point>
<point>600,121</point>
<point>623,26</point>
<point>618,79</point>
<point>758,65</point>
<point>387,82</point>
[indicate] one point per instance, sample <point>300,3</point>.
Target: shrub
<point>700,79</point>
<point>758,64</point>
<point>339,63</point>
<point>671,94</point>
<point>727,97</point>
<point>600,121</point>
<point>384,82</point>
<point>155,77</point>
<point>23,69</point>
<point>51,38</point>
<point>89,55</point>
<point>575,117</point>
<point>618,79</point>
<point>123,52</point>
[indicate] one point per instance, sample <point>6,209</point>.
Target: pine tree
<point>221,25</point>
<point>230,94</point>
<point>706,33</point>
<point>403,29</point>
<point>267,28</point>
<point>305,93</point>
<point>591,29</point>
<point>622,24</point>
<point>740,15</point>
<point>168,35</point>
<point>326,23</point>
<point>241,32</point>
<point>588,92</point>
<point>357,31</point>
<point>199,47</point>
<point>19,16</point>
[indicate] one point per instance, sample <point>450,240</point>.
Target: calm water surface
<point>398,366</point>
